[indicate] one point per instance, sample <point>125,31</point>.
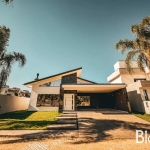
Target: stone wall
<point>13,103</point>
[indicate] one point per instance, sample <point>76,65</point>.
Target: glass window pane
<point>83,100</point>
<point>48,100</point>
<point>145,94</point>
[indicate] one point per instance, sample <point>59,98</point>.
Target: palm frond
<point>145,21</point>
<point>124,45</point>
<point>7,1</point>
<point>139,47</point>
<point>130,56</point>
<point>7,59</point>
<point>4,74</point>
<point>20,58</point>
<point>10,58</point>
<point>4,39</point>
<point>141,61</point>
<point>134,28</point>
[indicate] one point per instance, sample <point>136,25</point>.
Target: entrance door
<point>68,101</point>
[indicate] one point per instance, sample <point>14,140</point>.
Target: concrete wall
<point>121,64</point>
<point>134,95</point>
<point>117,80</point>
<point>4,90</point>
<point>137,98</point>
<point>147,106</point>
<point>13,103</point>
<point>127,79</point>
<point>42,90</point>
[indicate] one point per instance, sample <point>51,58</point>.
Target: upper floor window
<point>54,83</point>
<point>72,78</point>
<point>46,84</point>
<point>140,79</point>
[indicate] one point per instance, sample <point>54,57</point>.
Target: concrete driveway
<point>109,124</point>
<point>98,130</point>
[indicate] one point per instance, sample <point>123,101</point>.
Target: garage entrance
<point>99,96</point>
<point>113,100</point>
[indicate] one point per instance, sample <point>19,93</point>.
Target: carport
<point>103,96</point>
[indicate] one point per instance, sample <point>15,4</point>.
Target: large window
<point>145,94</point>
<point>48,100</point>
<point>83,100</point>
<point>54,83</point>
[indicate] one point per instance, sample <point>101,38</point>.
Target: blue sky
<point>60,35</point>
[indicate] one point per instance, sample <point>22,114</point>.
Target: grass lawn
<point>142,115</point>
<point>27,120</point>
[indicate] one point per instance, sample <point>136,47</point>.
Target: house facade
<point>68,91</point>
<point>138,85</point>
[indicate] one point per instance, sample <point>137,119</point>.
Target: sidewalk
<point>95,126</point>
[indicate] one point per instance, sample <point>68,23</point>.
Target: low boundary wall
<point>13,103</point>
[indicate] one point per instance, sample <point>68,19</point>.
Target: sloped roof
<point>77,70</point>
<point>86,80</point>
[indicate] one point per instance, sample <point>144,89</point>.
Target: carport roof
<point>94,88</point>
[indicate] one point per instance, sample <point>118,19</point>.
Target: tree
<point>7,1</point>
<point>7,59</point>
<point>139,48</point>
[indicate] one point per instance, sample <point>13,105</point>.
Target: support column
<point>127,101</point>
<point>61,99</point>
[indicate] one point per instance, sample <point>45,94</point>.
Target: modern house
<point>68,91</point>
<point>138,85</point>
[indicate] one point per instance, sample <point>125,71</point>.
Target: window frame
<point>145,95</point>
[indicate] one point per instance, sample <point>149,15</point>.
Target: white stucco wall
<point>13,103</point>
<point>121,64</point>
<point>42,90</point>
<point>127,79</point>
<point>137,98</point>
<point>147,106</point>
<point>117,80</point>
<point>146,103</point>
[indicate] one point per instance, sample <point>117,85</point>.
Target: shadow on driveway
<point>90,130</point>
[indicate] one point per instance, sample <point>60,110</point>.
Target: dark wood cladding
<point>145,83</point>
<point>121,99</point>
<point>61,99</point>
<point>72,78</point>
<point>99,100</point>
<point>70,91</point>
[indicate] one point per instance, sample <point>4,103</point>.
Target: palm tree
<point>7,59</point>
<point>139,48</point>
<point>7,1</point>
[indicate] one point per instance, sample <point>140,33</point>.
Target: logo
<point>142,137</point>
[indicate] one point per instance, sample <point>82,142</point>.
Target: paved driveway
<point>98,130</point>
<point>101,125</point>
